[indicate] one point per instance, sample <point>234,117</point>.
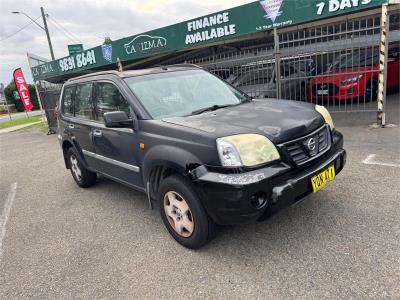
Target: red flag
<point>22,88</point>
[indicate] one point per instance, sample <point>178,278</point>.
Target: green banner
<point>231,23</point>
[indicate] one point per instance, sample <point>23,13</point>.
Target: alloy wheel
<point>75,168</point>
<point>178,214</point>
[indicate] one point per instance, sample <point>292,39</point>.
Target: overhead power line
<point>19,30</point>
<point>54,21</point>
<point>59,29</point>
<point>65,30</point>
<point>73,35</point>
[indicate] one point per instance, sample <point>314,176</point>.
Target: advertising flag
<point>22,88</point>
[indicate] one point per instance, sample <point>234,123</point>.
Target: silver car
<point>260,82</point>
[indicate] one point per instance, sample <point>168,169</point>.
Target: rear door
<point>117,149</point>
<point>76,118</point>
<point>81,124</point>
<point>66,109</point>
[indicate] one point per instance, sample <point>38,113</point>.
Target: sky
<point>87,22</point>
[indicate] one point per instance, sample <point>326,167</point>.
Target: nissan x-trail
<point>204,152</point>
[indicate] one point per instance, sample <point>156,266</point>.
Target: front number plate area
<point>322,92</point>
<point>320,180</point>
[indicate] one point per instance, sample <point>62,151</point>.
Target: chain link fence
<point>49,95</point>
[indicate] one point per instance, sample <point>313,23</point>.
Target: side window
<point>67,108</point>
<point>83,101</point>
<point>108,98</point>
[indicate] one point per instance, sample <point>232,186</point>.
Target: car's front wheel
<point>182,213</point>
<point>82,176</point>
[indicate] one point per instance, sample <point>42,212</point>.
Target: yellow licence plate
<point>320,180</point>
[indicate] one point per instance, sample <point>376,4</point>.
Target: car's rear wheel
<point>182,213</point>
<point>82,176</point>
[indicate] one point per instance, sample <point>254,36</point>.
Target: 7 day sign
<point>22,88</point>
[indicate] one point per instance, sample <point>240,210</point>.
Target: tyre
<point>82,176</point>
<point>182,213</point>
<point>371,90</point>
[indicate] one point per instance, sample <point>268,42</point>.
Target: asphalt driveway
<point>60,241</point>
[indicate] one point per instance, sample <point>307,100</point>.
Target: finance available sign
<point>22,88</point>
<point>232,23</point>
<point>209,28</point>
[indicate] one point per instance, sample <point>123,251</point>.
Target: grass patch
<point>42,126</point>
<point>20,122</point>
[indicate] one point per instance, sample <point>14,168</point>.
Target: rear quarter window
<point>67,108</point>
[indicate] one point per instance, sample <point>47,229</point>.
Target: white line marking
<point>5,214</point>
<point>370,160</point>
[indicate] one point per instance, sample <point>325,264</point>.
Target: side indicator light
<point>141,145</point>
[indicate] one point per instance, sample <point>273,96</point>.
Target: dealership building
<point>288,37</point>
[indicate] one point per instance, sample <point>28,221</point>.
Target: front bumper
<point>344,92</point>
<point>234,198</point>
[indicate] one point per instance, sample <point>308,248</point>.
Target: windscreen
<point>180,93</point>
<point>360,59</point>
<point>257,76</point>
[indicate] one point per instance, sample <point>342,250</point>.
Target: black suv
<point>207,153</point>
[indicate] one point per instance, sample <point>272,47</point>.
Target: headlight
<point>325,113</point>
<point>351,79</point>
<point>246,150</point>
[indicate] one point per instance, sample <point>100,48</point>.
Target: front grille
<point>309,147</point>
<point>325,89</point>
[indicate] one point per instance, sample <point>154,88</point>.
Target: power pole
<point>46,29</point>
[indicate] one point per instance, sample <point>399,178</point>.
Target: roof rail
<point>184,65</point>
<point>118,73</point>
<point>113,72</point>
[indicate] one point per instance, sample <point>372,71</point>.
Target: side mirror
<point>117,119</point>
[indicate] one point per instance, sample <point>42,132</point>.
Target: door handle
<point>97,132</point>
<point>71,126</point>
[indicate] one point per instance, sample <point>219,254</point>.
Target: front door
<point>116,148</point>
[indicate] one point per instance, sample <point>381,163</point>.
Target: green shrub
<point>9,94</point>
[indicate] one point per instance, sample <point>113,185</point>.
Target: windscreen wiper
<point>210,108</point>
<point>246,98</point>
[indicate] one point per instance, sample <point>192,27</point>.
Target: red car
<point>355,76</point>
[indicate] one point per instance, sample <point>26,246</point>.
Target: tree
<point>9,94</point>
<point>107,40</point>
